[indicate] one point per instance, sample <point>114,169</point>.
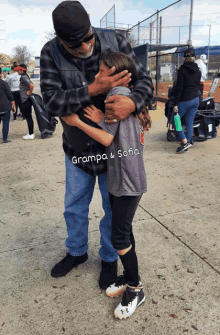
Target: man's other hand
<point>118,107</point>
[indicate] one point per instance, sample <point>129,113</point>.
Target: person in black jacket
<point>69,66</point>
<point>186,94</point>
<point>6,102</point>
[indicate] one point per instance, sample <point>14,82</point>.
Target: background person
<point>26,88</point>
<point>14,83</point>
<point>126,180</point>
<point>77,48</point>
<point>201,64</point>
<point>6,103</point>
<point>186,94</point>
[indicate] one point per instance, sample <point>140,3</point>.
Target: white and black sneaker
<point>183,147</point>
<point>117,287</point>
<point>131,299</point>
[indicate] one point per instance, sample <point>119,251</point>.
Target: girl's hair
<point>189,59</point>
<point>123,62</point>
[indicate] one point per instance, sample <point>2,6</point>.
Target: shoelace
<point>127,298</point>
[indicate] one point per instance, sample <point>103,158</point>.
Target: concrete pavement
<point>176,228</point>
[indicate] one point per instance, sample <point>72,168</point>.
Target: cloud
<point>34,18</point>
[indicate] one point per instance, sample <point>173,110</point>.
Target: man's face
<point>84,51</point>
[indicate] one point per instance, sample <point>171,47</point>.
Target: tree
<point>49,35</point>
<point>21,54</point>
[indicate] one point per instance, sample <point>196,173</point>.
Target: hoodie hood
<point>190,67</point>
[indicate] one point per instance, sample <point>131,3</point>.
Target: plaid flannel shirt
<point>61,102</point>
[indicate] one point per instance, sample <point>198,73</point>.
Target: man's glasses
<point>78,44</point>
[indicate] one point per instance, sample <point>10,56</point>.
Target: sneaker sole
<point>128,316</point>
<point>116,294</point>
<point>181,152</point>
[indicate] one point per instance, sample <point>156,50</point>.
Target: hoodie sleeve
<point>179,86</point>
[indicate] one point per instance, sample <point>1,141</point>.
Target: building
<point>37,68</point>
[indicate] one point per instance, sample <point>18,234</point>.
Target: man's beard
<point>87,55</point>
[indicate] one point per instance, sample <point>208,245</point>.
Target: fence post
<point>114,17</point>
<point>147,52</point>
<point>138,32</point>
<point>157,57</point>
<point>190,23</point>
<point>209,47</point>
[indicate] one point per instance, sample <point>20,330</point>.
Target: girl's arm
<point>98,135</point>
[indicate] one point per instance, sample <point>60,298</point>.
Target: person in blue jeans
<point>6,103</point>
<point>186,94</point>
<point>69,64</point>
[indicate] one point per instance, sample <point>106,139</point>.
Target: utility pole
<point>190,23</point>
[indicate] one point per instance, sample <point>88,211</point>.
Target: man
<point>69,64</point>
<point>201,64</point>
<point>6,103</point>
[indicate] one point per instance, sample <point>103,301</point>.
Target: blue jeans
<point>189,108</point>
<point>79,192</point>
<point>5,125</point>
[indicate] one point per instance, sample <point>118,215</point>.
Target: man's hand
<point>175,109</point>
<point>94,114</point>
<point>72,120</point>
<point>118,107</point>
<point>103,83</point>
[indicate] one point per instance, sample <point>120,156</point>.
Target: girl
<point>126,181</point>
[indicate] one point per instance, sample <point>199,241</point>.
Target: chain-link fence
<point>170,26</point>
<point>108,20</point>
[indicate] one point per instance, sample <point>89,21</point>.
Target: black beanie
<point>190,52</point>
<point>71,21</point>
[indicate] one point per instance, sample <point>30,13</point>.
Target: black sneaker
<point>192,141</point>
<point>6,141</point>
<point>108,274</point>
<point>183,147</point>
<point>67,264</point>
<point>131,299</point>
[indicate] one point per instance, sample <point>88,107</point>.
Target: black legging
<point>26,107</point>
<point>17,99</point>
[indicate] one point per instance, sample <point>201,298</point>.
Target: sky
<point>24,22</point>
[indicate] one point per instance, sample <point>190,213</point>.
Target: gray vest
<point>72,77</point>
